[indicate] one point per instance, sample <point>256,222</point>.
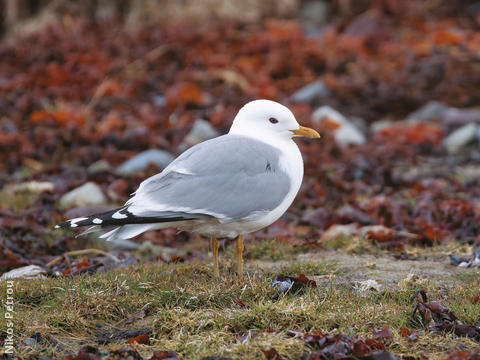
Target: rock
<point>201,131</point>
<point>345,132</point>
<point>328,113</point>
<point>310,92</point>
<point>348,134</point>
<point>87,194</point>
<point>99,166</point>
<point>460,117</point>
<point>460,137</point>
<point>122,245</point>
<point>141,161</point>
<point>283,285</point>
<point>359,123</point>
<point>159,100</point>
<point>467,173</point>
<point>450,116</point>
<point>339,232</point>
<point>379,125</point>
<point>26,272</point>
<point>36,187</point>
<point>314,14</point>
<point>433,110</point>
<point>30,341</point>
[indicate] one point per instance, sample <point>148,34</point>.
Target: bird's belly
<point>214,228</point>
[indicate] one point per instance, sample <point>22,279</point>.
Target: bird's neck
<point>277,140</point>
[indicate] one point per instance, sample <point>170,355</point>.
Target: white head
<point>265,119</point>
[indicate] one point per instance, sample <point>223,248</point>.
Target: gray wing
<point>229,177</point>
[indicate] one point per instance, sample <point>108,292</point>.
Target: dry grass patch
<point>184,309</point>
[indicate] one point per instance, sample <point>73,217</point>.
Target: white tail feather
<point>128,231</point>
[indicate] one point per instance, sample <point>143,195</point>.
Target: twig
<point>81,252</point>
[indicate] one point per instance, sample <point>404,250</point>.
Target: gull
<point>228,186</point>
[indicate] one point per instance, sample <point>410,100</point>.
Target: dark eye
<point>273,120</point>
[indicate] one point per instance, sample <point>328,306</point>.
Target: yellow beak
<point>305,131</point>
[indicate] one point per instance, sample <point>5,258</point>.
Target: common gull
<point>228,186</point>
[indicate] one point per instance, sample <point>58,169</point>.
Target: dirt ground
<point>383,268</point>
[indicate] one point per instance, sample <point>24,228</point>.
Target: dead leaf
<point>164,355</point>
<point>272,354</point>
<point>385,334</point>
<point>140,339</point>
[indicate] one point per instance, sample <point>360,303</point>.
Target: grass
<point>189,312</point>
<point>272,250</point>
<point>16,200</point>
<point>308,267</point>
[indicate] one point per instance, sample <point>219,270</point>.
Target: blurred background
<point>97,95</point>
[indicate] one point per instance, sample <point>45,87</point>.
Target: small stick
<point>81,252</point>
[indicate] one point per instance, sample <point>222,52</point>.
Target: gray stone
<point>346,133</point>
<point>327,112</point>
<point>140,161</point>
<point>349,134</point>
<point>310,92</point>
<point>459,117</point>
<point>379,125</point>
<point>314,14</point>
<point>283,285</point>
<point>30,342</point>
<point>432,110</point>
<point>468,173</point>
<point>201,131</point>
<point>99,166</point>
<point>159,100</point>
<point>359,123</point>
<point>87,194</point>
<point>460,137</point>
<point>450,116</point>
<point>122,245</point>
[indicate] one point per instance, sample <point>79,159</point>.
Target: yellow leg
<point>214,245</point>
<point>240,248</point>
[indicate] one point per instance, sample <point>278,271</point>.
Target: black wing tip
<point>89,220</point>
<point>63,225</point>
<point>122,216</point>
<point>72,223</point>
